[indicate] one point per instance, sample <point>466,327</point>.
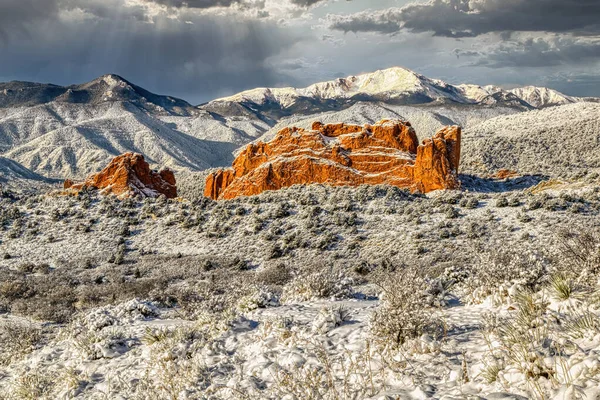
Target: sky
<point>200,50</point>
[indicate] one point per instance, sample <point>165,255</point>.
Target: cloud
<point>192,54</point>
<point>197,3</point>
<point>469,18</point>
<point>306,3</point>
<point>17,15</point>
<point>465,53</point>
<point>549,51</point>
<point>243,4</point>
<point>577,83</point>
<point>385,21</point>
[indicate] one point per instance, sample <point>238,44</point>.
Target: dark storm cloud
<point>196,3</point>
<point>17,15</point>
<point>468,18</point>
<point>228,3</point>
<point>306,3</point>
<point>378,22</point>
<point>196,56</point>
<point>540,52</point>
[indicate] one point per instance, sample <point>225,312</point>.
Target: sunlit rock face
<point>343,155</point>
<point>129,175</point>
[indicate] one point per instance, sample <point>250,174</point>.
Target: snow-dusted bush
<point>534,347</point>
<point>325,283</point>
<point>405,312</point>
<point>498,273</point>
<point>274,274</point>
<point>579,254</point>
<point>259,297</point>
<point>17,339</point>
<point>330,318</point>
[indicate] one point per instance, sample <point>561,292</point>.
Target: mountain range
<point>49,131</point>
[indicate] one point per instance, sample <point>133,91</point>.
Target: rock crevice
<point>343,155</point>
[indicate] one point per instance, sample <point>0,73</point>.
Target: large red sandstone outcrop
<point>130,175</point>
<point>343,155</point>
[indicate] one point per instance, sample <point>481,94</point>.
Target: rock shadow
<point>474,183</point>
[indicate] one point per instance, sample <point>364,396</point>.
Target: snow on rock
<point>130,175</point>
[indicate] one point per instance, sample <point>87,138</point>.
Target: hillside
<point>61,140</point>
<point>426,120</point>
<point>557,141</point>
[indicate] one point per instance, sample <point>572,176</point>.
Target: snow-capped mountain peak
<point>540,97</point>
<point>390,80</point>
<point>395,85</point>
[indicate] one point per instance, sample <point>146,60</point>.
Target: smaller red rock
<point>130,175</point>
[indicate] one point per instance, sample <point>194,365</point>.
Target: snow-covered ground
<point>306,293</point>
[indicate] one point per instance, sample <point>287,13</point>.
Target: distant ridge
<point>397,86</point>
<point>107,88</point>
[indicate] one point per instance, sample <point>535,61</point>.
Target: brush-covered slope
<point>555,141</point>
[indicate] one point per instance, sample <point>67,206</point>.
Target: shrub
<point>17,340</point>
<point>404,312</point>
<point>579,254</point>
<point>502,202</point>
<point>275,274</point>
<point>499,270</point>
<point>317,284</point>
<point>472,203</point>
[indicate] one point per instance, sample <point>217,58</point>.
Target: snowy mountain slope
<point>395,86</point>
<point>60,139</point>
<point>86,146</point>
<point>554,141</point>
<point>391,85</point>
<point>425,120</point>
<point>11,171</point>
<point>107,88</point>
<point>543,97</point>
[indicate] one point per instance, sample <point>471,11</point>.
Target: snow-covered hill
<point>107,88</point>
<point>555,141</point>
<point>425,120</point>
<point>61,139</point>
<point>397,86</point>
<point>13,174</point>
<point>543,97</point>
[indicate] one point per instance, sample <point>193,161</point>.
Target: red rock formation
<point>436,166</point>
<point>130,175</point>
<point>343,155</point>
